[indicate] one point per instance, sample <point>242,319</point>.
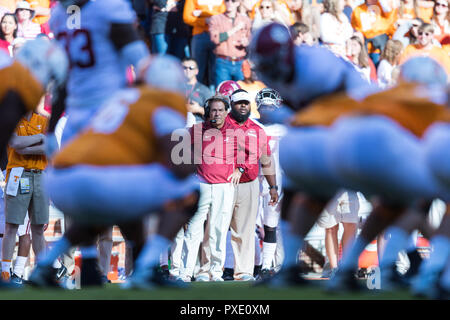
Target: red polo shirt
<point>213,153</point>
<point>250,142</point>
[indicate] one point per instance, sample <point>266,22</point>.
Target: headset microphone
<point>213,121</point>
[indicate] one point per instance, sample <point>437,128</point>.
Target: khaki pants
<point>243,224</point>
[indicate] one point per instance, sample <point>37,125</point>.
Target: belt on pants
<point>230,58</point>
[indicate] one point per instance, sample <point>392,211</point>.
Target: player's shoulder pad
<point>5,60</point>
<point>276,130</point>
<point>58,17</point>
<point>259,124</point>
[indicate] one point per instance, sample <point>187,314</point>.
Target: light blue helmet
<point>46,60</point>
<point>424,70</point>
<point>164,72</point>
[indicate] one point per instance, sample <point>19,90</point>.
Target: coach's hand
<point>235,177</point>
<point>273,197</point>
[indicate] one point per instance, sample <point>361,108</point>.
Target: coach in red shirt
<point>214,156</point>
<point>251,148</point>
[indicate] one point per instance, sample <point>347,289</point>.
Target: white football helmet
<point>46,60</point>
<point>268,97</point>
<point>164,72</point>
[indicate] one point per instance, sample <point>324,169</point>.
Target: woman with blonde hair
<point>389,59</point>
<point>335,28</point>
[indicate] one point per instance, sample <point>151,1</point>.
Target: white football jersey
<point>274,132</point>
<point>96,68</point>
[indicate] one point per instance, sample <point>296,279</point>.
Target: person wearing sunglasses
<point>426,47</point>
<point>196,92</point>
<point>407,32</point>
<point>278,5</point>
<point>441,20</point>
<point>269,11</point>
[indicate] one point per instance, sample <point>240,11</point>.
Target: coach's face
<point>217,114</point>
<point>240,110</point>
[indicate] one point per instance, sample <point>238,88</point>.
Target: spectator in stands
<point>251,85</point>
<point>24,191</point>
<point>374,22</point>
<point>335,28</point>
<point>441,21</point>
<point>246,6</point>
<point>412,9</point>
<point>279,6</point>
<point>310,15</point>
<point>425,47</point>
<point>195,14</point>
<point>27,28</point>
<point>8,5</point>
<point>270,11</point>
<point>301,34</point>
<point>8,32</point>
<point>357,54</point>
<point>407,32</point>
<point>42,13</point>
<point>389,59</point>
<point>169,33</point>
<point>296,7</point>
<point>196,93</point>
<point>230,32</point>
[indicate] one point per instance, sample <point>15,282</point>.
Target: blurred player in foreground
<point>302,76</point>
<point>329,159</point>
<point>102,44</point>
<point>120,169</point>
<point>382,156</point>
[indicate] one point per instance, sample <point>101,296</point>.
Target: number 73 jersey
<point>95,66</point>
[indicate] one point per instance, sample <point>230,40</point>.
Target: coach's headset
<point>207,106</point>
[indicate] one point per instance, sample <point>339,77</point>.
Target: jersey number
<point>111,117</point>
<point>78,45</point>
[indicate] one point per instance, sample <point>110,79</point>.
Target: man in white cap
<point>251,148</point>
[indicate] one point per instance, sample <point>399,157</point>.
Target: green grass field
<point>201,291</point>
